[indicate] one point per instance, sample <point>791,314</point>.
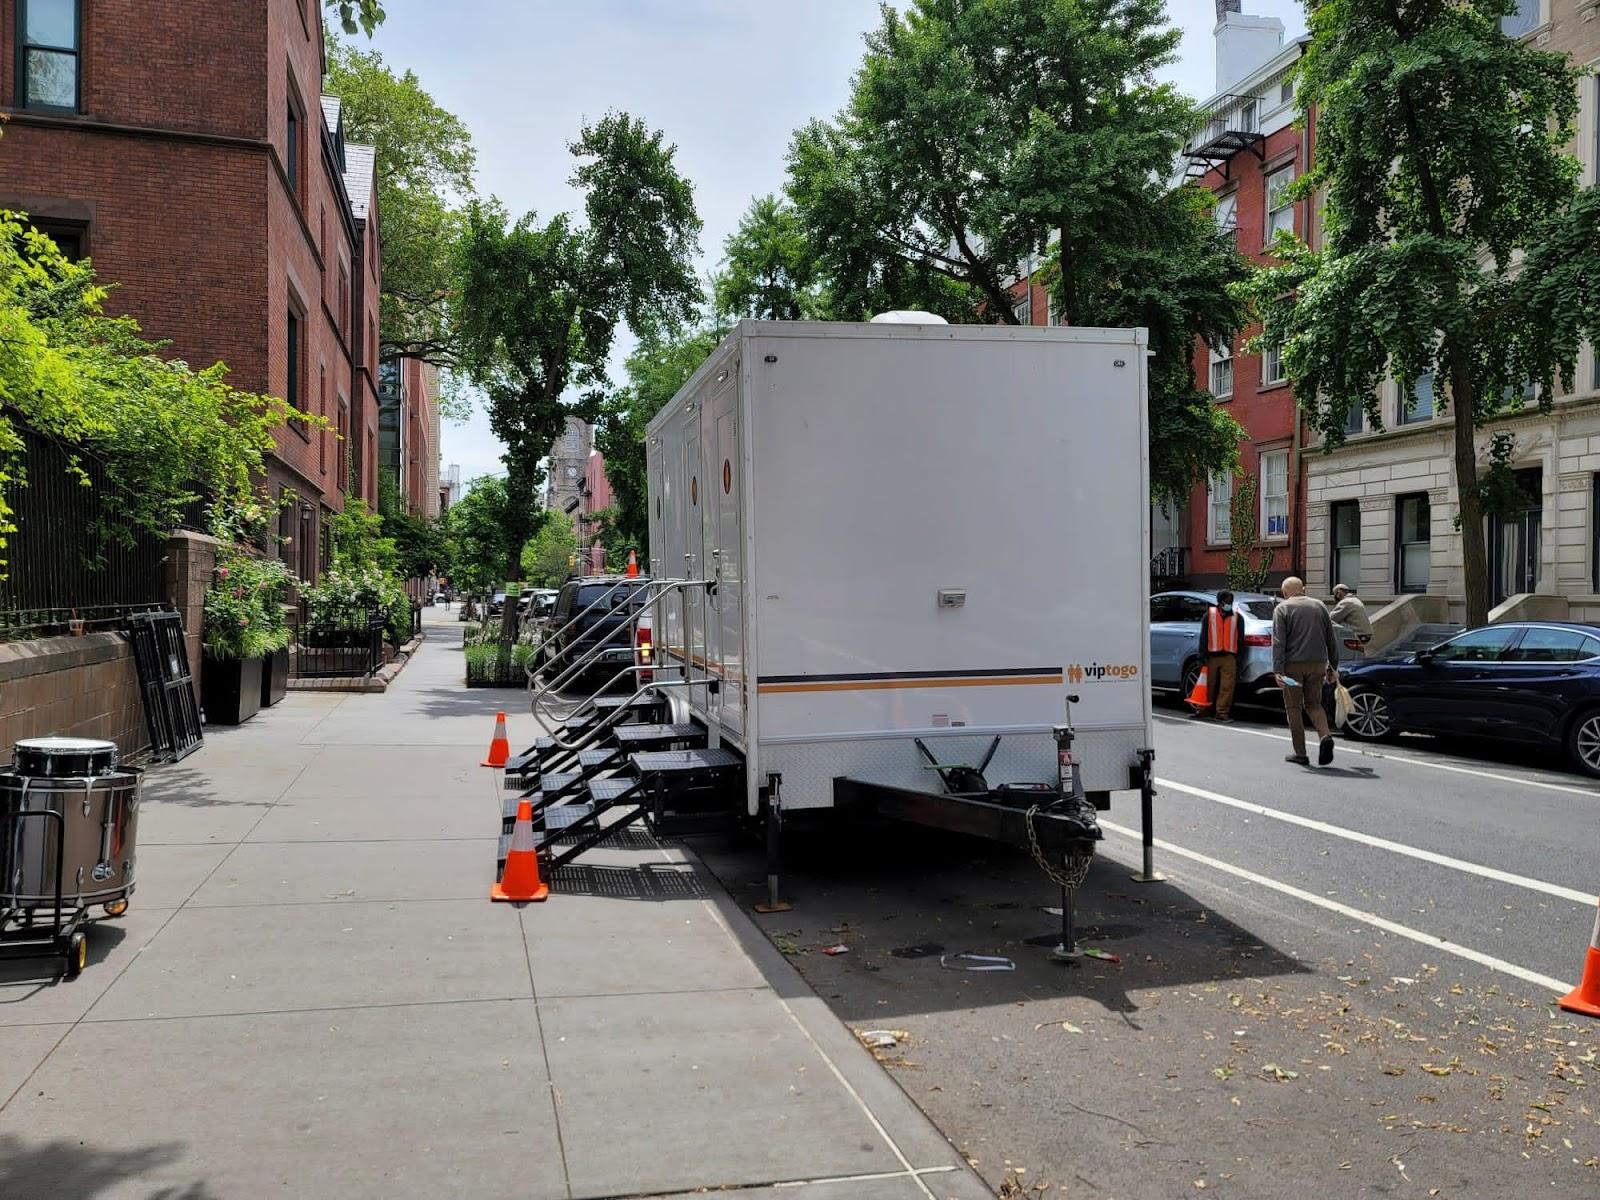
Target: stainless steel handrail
<point>631,625</point>
<point>588,658</point>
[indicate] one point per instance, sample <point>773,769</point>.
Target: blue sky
<point>728,81</point>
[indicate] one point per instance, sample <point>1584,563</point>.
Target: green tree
<point>1455,238</point>
<point>656,369</point>
<point>354,15</point>
<point>542,302</point>
<point>769,270</point>
<point>425,165</point>
<point>984,134</point>
<point>549,556</point>
<point>476,525</point>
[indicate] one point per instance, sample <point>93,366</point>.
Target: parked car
<point>597,609</point>
<point>497,604</point>
<point>541,603</point>
<point>1175,620</point>
<point>1532,682</point>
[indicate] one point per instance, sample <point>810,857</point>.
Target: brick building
<point>1381,509</point>
<point>1248,153</point>
<point>201,175</point>
<point>597,497</point>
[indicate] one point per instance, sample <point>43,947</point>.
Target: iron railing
<point>1170,564</point>
<point>74,562</point>
<point>347,649</point>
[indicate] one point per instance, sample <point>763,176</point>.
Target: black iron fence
<point>73,563</point>
<point>349,648</point>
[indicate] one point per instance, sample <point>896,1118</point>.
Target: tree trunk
<point>508,614</point>
<point>1474,558</point>
<point>1067,302</point>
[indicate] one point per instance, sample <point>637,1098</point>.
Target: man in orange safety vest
<point>1221,642</point>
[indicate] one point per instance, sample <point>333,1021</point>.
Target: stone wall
<point>76,686</point>
<point>191,559</point>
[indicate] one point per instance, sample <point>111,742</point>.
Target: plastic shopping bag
<point>1341,705</point>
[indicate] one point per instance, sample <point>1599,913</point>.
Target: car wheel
<point>1191,676</point>
<point>1583,741</point>
<point>1370,719</point>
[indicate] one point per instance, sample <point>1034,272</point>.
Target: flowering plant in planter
<point>348,593</point>
<point>244,615</point>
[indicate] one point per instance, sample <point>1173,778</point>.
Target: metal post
<point>774,904</point>
<point>1147,793</point>
<point>1068,950</point>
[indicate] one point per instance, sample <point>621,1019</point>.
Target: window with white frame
<point>1022,310</point>
<point>1272,367</point>
<point>1286,91</point>
<point>1280,211</point>
<point>1227,212</point>
<point>1275,494</point>
<point>1222,373</point>
<point>1219,508</point>
<point>1529,15</point>
<point>1419,405</point>
<point>1355,420</point>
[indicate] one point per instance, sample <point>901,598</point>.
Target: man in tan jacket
<point>1305,653</point>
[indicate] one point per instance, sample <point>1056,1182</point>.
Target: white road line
<point>1347,748</point>
<point>1355,914</point>
<point>1587,899</point>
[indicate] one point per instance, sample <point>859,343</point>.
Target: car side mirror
<point>1424,656</point>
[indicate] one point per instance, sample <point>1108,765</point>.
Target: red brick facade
<point>176,174</point>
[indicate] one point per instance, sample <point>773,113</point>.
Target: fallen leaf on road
<point>1281,1074</point>
<point>1066,1026</point>
<point>1222,1072</point>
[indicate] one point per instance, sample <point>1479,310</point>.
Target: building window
<point>341,478</point>
<point>1412,551</point>
<point>344,303</point>
<point>1344,527</point>
<point>293,349</point>
<point>1280,212</point>
<point>322,411</point>
<point>1222,373</point>
<point>1523,20</point>
<point>71,240</point>
<point>1227,212</point>
<point>1419,406</point>
<point>291,163</point>
<point>1272,367</point>
<point>1286,92</point>
<point>1275,494</point>
<point>1247,116</point>
<point>1219,508</point>
<point>47,54</point>
<point>1355,421</point>
<point>1022,310</point>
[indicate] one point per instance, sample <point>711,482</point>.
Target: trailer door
<point>725,540</point>
<point>693,599</point>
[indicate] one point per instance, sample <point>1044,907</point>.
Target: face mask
<point>1227,609</point>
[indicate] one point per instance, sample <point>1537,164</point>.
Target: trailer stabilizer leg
<point>1147,790</point>
<point>1068,950</point>
<point>774,903</point>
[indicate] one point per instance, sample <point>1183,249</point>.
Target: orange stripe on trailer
<point>879,685</point>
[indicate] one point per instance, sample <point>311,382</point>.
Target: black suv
<point>610,601</point>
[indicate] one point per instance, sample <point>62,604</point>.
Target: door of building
<point>1514,541</point>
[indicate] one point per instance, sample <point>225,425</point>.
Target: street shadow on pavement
<point>905,901</point>
<point>644,881</point>
<point>23,978</point>
<point>78,1169</point>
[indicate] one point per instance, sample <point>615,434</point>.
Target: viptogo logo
<point>1096,672</point>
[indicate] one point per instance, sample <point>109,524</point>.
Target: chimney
<point>1244,43</point>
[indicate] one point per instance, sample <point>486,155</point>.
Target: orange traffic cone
<point>1585,998</point>
<point>521,881</point>
<point>1200,698</point>
<point>500,746</point>
<point>633,564</point>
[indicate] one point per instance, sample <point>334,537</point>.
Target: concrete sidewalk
<point>312,996</point>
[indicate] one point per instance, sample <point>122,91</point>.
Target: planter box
<point>497,672</point>
<point>230,689</point>
<point>274,677</point>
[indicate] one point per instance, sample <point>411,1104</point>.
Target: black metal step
<point>590,761</point>
<point>612,789</point>
<point>686,762</point>
<point>659,737</point>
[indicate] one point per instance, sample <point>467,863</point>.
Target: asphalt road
<point>1344,986</point>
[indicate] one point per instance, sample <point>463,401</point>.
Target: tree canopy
<point>476,527</point>
<point>357,15</point>
<point>425,165</point>
<point>168,435</point>
<point>769,269</point>
<point>1456,243</point>
<point>984,139</point>
<point>542,301</point>
<point>548,558</point>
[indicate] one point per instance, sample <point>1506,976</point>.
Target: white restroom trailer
<point>910,531</point>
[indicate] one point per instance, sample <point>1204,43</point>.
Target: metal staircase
<point>614,762</point>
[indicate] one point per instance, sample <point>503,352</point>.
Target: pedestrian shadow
<point>906,900</point>
<point>78,1169</point>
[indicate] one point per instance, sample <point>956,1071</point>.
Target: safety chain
<point>1076,865</point>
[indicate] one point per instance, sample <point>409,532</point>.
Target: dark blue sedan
<point>1534,682</point>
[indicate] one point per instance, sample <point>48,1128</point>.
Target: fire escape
<point>1232,125</point>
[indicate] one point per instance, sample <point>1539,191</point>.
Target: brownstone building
<point>185,147</point>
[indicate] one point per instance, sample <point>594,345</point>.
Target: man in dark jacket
<point>1305,653</point>
<point>1221,643</point>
